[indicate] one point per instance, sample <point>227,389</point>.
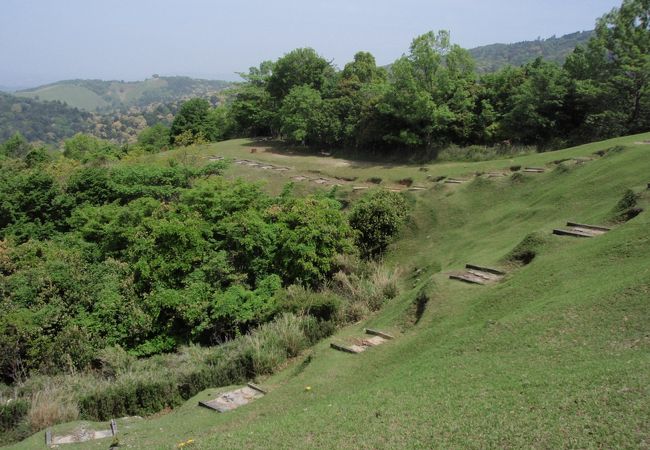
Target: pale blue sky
<point>48,40</point>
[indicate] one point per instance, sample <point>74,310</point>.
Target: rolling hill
<point>44,121</point>
<point>556,355</point>
<point>106,96</point>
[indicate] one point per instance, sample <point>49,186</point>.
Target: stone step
<point>572,233</point>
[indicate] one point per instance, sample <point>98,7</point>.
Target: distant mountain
<point>490,58</point>
<point>108,96</point>
<point>48,122</point>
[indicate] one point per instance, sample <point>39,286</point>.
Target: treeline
<point>433,96</point>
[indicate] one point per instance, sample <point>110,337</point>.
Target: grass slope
<point>557,355</point>
<point>99,95</point>
<point>75,96</point>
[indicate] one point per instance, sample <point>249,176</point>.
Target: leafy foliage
<point>197,123</point>
<point>434,96</point>
<point>146,258</point>
<point>377,218</point>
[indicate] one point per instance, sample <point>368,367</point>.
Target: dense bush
<point>12,413</point>
<point>323,305</point>
<point>147,258</point>
<point>85,148</point>
<point>377,218</point>
<point>482,153</point>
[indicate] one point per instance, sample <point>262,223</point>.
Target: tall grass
<point>120,385</point>
<point>366,285</point>
<point>483,153</point>
<point>50,406</point>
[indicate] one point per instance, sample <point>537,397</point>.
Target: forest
<point>44,121</point>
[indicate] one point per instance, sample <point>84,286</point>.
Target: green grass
<point>555,356</point>
<point>315,165</point>
<point>75,96</point>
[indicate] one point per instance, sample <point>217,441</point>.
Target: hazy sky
<point>49,40</point>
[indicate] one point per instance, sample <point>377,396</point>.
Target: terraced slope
<point>556,354</point>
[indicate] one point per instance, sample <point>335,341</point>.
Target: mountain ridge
<point>492,57</point>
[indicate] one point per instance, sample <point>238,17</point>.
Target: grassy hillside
<point>490,58</point>
<point>556,355</point>
<point>98,95</point>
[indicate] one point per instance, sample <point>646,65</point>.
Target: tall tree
<point>613,72</point>
<point>306,118</point>
<point>431,95</point>
<point>301,67</point>
<point>192,117</point>
<point>537,110</point>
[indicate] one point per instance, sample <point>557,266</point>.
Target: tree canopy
<point>433,95</point>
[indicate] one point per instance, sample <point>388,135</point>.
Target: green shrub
<point>128,397</point>
<point>323,305</point>
<point>315,330</point>
<point>113,361</point>
<point>377,218</point>
<point>482,153</point>
<point>257,353</point>
<point>12,413</point>
<point>14,425</point>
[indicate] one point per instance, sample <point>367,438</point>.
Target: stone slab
<point>485,269</point>
<point>590,227</point>
<point>82,434</point>
<point>233,399</point>
<point>381,334</point>
<point>572,233</point>
<point>478,275</point>
<point>360,345</point>
<point>467,278</point>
